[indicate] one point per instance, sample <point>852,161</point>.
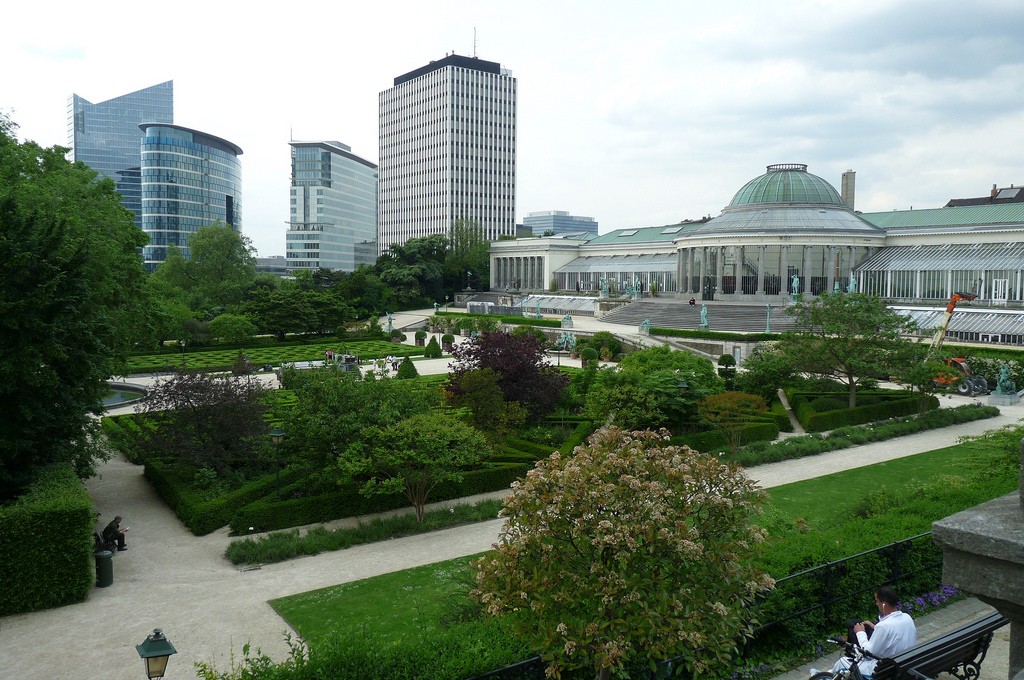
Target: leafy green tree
<point>727,370</point>
<point>468,259</point>
<point>232,328</point>
<point>413,456</point>
<point>414,270</point>
<point>71,306</point>
<point>222,266</point>
<point>206,421</point>
<point>519,362</point>
<point>847,336</point>
<point>765,371</point>
<point>333,410</point>
<point>610,582</point>
<point>652,388</point>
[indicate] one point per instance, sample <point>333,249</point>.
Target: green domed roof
<point>787,183</point>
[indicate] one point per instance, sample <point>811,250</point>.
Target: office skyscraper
<point>190,180</point>
<point>333,215</point>
<point>448,151</point>
<point>558,222</point>
<point>107,138</point>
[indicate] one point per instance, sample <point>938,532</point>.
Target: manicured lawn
<point>406,602</point>
<point>823,500</point>
<point>390,606</point>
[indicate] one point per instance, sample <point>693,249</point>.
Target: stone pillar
<point>760,270</point>
<point>719,269</point>
<point>983,554</point>
<point>703,270</point>
<point>831,268</point>
<point>806,276</point>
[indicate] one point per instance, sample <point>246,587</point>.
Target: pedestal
<point>983,554</point>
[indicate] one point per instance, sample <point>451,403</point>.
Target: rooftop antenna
<point>474,42</point>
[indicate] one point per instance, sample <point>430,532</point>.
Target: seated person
<point>693,302</point>
<point>114,533</point>
<point>894,633</point>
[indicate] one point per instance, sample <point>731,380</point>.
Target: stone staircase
<point>736,318</point>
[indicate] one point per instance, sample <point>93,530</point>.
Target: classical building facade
<point>790,232</point>
<point>107,138</point>
<point>333,209</point>
<point>190,180</point>
<point>448,151</point>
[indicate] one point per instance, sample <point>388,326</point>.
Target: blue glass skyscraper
<point>190,180</point>
<point>106,136</point>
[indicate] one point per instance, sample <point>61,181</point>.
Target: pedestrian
<point>114,533</point>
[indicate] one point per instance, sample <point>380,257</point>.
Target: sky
<point>637,114</point>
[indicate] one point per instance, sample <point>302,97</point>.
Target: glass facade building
<point>550,222</point>
<point>106,136</point>
<point>190,179</point>
<point>333,211</point>
<point>448,151</point>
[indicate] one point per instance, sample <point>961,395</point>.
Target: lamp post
<point>768,319</point>
<point>277,436</point>
<point>155,650</point>
<point>684,388</point>
<point>181,343</point>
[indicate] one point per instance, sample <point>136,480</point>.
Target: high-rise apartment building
<point>448,151</point>
<point>190,180</point>
<point>106,136</point>
<point>558,222</point>
<point>333,214</point>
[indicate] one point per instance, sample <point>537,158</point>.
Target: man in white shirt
<point>894,633</point>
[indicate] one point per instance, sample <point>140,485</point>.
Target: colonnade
<point>526,272</point>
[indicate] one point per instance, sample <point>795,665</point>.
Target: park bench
<point>958,652</point>
<point>100,544</point>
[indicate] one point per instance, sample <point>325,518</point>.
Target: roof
<point>966,320</point>
<point>787,183</point>
<point>666,233</point>
<point>801,220</point>
<point>631,263</point>
<point>946,256</point>
<point>958,216</point>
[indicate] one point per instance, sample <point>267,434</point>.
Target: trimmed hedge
<point>202,516</point>
<point>56,570</point>
<point>266,514</point>
<point>822,411</point>
<point>715,440</point>
<point>501,318</point>
<point>714,335</point>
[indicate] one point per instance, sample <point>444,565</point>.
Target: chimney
<point>994,191</point>
<point>849,188</point>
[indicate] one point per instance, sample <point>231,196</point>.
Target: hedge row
<point>203,516</point>
<point>717,440</point>
<point>714,335</point>
<point>506,319</point>
<point>874,406</point>
<point>46,546</point>
<point>267,514</point>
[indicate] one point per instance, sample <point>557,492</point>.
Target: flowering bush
<point>629,549</point>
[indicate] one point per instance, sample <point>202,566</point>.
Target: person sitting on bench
<point>895,632</point>
<point>113,532</point>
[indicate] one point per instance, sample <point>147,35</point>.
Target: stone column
<point>760,270</point>
<point>719,269</point>
<point>983,554</point>
<point>806,277</point>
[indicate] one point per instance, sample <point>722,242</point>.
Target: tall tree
<point>415,269</point>
<point>70,305</point>
<point>846,336</point>
<point>222,264</point>
<point>468,259</point>
<point>608,581</point>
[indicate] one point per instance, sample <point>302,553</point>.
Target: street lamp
<point>155,650</point>
<point>277,436</point>
<point>181,343</point>
<point>768,319</point>
<point>684,389</point>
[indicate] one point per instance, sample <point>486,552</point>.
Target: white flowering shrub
<point>628,551</point>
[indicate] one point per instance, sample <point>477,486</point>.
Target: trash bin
<point>104,568</point>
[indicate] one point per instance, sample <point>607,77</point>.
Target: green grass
<point>405,603</point>
<point>388,607</point>
<point>824,500</point>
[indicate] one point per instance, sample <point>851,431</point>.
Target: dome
<point>787,183</point>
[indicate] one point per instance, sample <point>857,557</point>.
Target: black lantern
<point>155,650</point>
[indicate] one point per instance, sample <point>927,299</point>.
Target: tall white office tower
<point>448,151</point>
